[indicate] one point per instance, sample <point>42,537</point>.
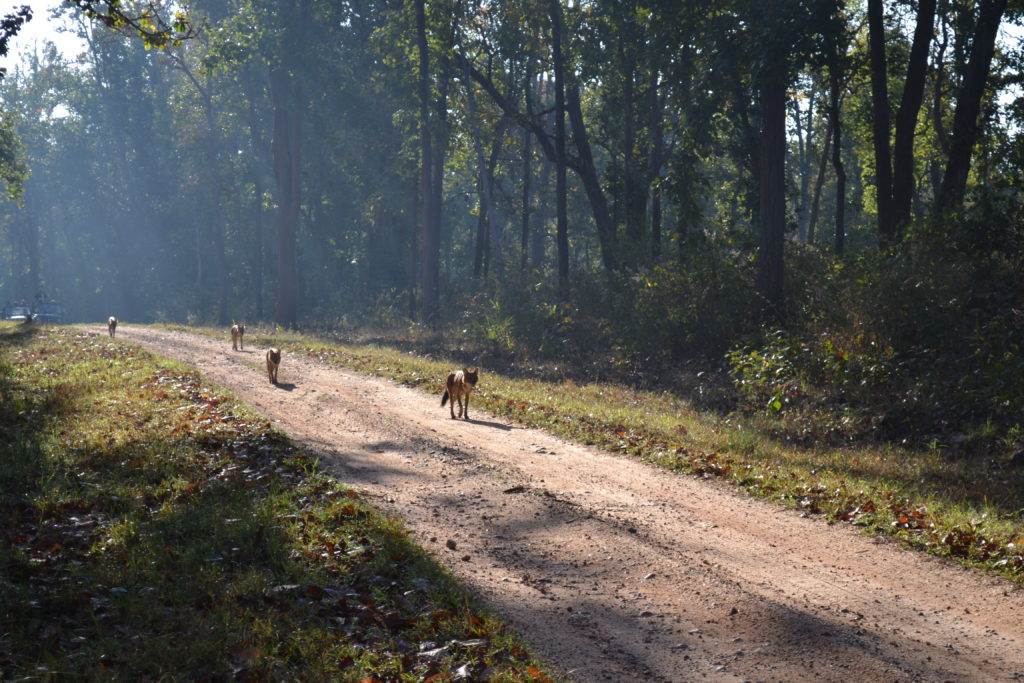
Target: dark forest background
<point>820,199</point>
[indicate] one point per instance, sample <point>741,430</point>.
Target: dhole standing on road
<point>458,385</point>
<point>111,325</point>
<point>237,332</point>
<point>273,361</point>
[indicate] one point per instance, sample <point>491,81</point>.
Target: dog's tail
<point>444,399</point>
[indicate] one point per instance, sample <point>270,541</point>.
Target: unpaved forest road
<point>615,570</point>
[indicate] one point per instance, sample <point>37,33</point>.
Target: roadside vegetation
<point>151,528</point>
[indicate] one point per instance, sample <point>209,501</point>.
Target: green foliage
<point>918,342</point>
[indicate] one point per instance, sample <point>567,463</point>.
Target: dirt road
<point>617,571</point>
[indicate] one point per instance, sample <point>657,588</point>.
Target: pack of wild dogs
<point>273,355</point>
<point>457,387</point>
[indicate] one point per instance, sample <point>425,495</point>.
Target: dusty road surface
<point>616,571</point>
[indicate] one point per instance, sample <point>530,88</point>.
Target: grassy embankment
<point>965,509</point>
<point>153,529</point>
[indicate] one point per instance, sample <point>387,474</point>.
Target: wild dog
<point>111,325</point>
<point>458,385</point>
<point>237,332</point>
<point>273,361</point>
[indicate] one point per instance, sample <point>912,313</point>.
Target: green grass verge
<point>970,510</point>
<point>151,528</point>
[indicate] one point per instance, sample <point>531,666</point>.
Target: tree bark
<point>772,202</point>
<point>819,183</point>
<point>587,171</point>
<point>430,254</point>
<point>906,118</point>
<point>524,237</point>
<point>286,149</point>
<point>561,206</point>
<point>880,113</point>
<point>968,105</point>
<point>835,90</point>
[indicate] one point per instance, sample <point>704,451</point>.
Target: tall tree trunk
<point>657,118</point>
<point>440,136</point>
<point>819,183</point>
<point>485,214</point>
<point>968,105</point>
<point>524,236</point>
<point>835,90</point>
<point>634,185</point>
<point>906,118</point>
<point>804,150</point>
<point>587,171</point>
<point>880,113</point>
<point>495,224</point>
<point>539,246</point>
<point>561,205</point>
<point>772,204</point>
<point>285,92</point>
<point>255,144</point>
<point>220,274</point>
<point>430,253</point>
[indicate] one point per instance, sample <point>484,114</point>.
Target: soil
<point>617,571</point>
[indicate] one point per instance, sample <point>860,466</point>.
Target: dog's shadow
<point>286,386</point>
<point>495,425</point>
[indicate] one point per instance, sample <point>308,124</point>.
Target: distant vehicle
<point>49,312</point>
<point>17,313</point>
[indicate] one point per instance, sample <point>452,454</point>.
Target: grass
<point>968,509</point>
<point>151,528</point>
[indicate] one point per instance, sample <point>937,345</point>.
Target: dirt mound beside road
<point>616,570</point>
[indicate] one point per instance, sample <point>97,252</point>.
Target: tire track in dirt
<point>618,571</point>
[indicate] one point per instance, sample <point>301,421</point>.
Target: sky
<point>37,31</point>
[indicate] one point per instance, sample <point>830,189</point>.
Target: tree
<point>968,105</point>
<point>906,118</point>
<point>880,120</point>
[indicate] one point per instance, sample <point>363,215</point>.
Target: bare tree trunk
<point>429,256</point>
<point>772,205</point>
<point>968,105</point>
<point>837,158</point>
<point>539,247</point>
<point>803,136</point>
<point>880,113</point>
<point>819,183</point>
<point>906,118</point>
<point>286,148</point>
<point>561,206</point>
<point>524,236</point>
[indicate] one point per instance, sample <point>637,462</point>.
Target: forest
<point>807,209</point>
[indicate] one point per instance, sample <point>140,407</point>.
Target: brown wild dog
<point>237,332</point>
<point>111,325</point>
<point>458,385</point>
<point>273,360</point>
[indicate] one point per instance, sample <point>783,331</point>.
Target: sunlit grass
<point>959,507</point>
<point>154,529</point>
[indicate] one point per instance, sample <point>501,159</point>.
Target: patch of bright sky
<point>36,33</point>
